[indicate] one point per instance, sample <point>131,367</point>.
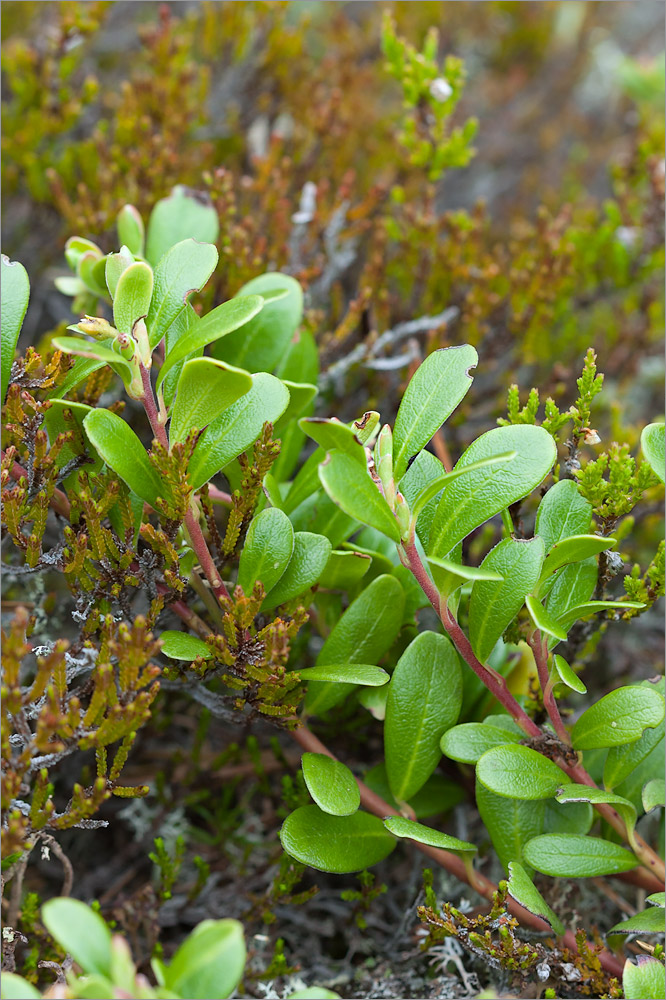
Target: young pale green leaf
<point>13,987</point>
<point>573,585</point>
<point>15,297</point>
<point>205,388</point>
<point>80,932</point>
<point>337,844</point>
<point>130,229</point>
<point>522,889</point>
<point>654,794</point>
<point>619,717</point>
<point>565,675</point>
<point>574,549</point>
<point>93,350</point>
<point>569,855</point>
<point>363,634</point>
<point>91,269</point>
<point>459,572</point>
<point>210,962</point>
<point>347,673</point>
<point>314,993</point>
<point>122,451</point>
<point>654,448</point>
<point>519,772</point>
<point>622,760</point>
<point>644,981</point>
<point>592,608</point>
<point>493,606</point>
<point>350,487</point>
<point>132,296</point>
<point>344,569</point>
<point>264,340</point>
<point>217,323</point>
<point>114,265</point>
<point>333,435</point>
<point>597,796</point>
<point>424,699</point>
<point>269,545</point>
<point>237,428</point>
<point>470,501</point>
<point>563,512</point>
<point>399,826</point>
<point>185,268</point>
<point>76,246</point>
<point>437,485</point>
<point>308,561</point>
<point>181,646</point>
<point>542,619</point>
<point>176,218</point>
<point>510,822</point>
<point>331,784</point>
<point>469,741</point>
<point>436,388</point>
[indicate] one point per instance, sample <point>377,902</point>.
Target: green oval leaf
<point>622,760</point>
<point>592,608</point>
<point>570,855</point>
<point>597,796</point>
<point>114,265</point>
<point>262,342</point>
<point>185,268</point>
<point>644,981</point>
<point>470,501</point>
<point>15,298</point>
<point>651,921</point>
<point>175,218</point>
<point>337,844</point>
<point>122,451</point>
<point>399,826</point>
<point>434,391</point>
<point>80,932</point>
<point>654,794</point>
<point>308,561</point>
<point>522,889</point>
<point>421,474</point>
<point>563,512</point>
<point>424,699</point>
<point>510,822</point>
<point>437,485</point>
<point>493,606</point>
<point>344,569</point>
<point>542,619</point>
<point>331,784</point>
<point>210,962</point>
<point>181,646</point>
<point>237,428</point>
<point>565,674</point>
<point>314,993</point>
<point>130,229</point>
<point>268,547</point>
<point>347,673</point>
<point>519,772</point>
<point>332,434</point>
<point>460,572</point>
<point>132,296</point>
<point>93,350</point>
<point>619,717</point>
<point>205,388</point>
<point>438,795</point>
<point>654,448</point>
<point>469,741</point>
<point>573,585</point>
<point>350,487</point>
<point>13,987</point>
<point>574,549</point>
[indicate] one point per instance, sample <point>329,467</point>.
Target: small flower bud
<point>140,334</point>
<point>403,514</point>
<point>96,326</point>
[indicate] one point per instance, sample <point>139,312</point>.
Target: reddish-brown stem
<point>150,406</point>
<point>451,862</point>
<point>218,496</point>
<point>539,647</point>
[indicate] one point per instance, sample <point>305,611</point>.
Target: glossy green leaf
<point>210,962</point>
<point>619,717</point>
<point>80,932</point>
<point>461,573</point>
<point>337,844</point>
<point>301,395</point>
<point>320,515</point>
<point>332,434</point>
<point>308,561</point>
<point>269,544</point>
<point>237,428</point>
<point>205,388</point>
<point>437,485</point>
<point>15,297</point>
<point>622,760</point>
<point>563,512</point>
<point>13,987</point>
<point>592,608</point>
<point>468,742</point>
<point>114,265</point>
<point>438,795</point>
<point>519,772</point>
<point>574,549</point>
<point>542,619</point>
<point>331,784</point>
<point>424,699</point>
<point>263,341</point>
<point>181,646</point>
<point>179,217</point>
<point>93,350</point>
<point>76,246</point>
<point>574,856</point>
<point>347,673</point>
<point>122,451</point>
<point>654,794</point>
<point>644,981</point>
<point>436,388</point>
<point>470,501</point>
<point>399,826</point>
<point>91,268</point>
<point>130,229</point>
<point>571,817</point>
<point>493,606</point>
<point>522,889</point>
<point>653,447</point>
<point>185,268</point>
<point>344,569</point>
<point>597,796</point>
<point>510,822</point>
<point>565,675</point>
<point>573,585</point>
<point>133,295</point>
<point>363,634</point>
<point>217,323</point>
<point>300,361</point>
<point>350,487</point>
<point>423,471</point>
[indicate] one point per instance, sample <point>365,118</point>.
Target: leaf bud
<point>95,326</point>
